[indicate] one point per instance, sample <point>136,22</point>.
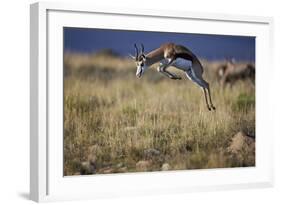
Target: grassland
<point>114,120</point>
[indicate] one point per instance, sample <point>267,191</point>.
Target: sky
<point>210,47</point>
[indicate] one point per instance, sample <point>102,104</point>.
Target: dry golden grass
<point>108,110</point>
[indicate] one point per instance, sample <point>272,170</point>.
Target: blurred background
<point>210,47</point>
<point>115,123</point>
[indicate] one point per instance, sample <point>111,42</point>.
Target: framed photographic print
<point>127,102</point>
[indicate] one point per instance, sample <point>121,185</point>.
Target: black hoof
<point>214,108</point>
<point>209,109</point>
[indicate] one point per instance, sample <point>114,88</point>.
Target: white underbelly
<point>182,64</point>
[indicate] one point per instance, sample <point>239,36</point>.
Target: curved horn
<point>142,48</point>
<point>137,52</point>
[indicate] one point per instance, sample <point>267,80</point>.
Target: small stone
<point>165,167</point>
<point>119,165</point>
<point>143,165</point>
<point>108,171</point>
<point>123,169</point>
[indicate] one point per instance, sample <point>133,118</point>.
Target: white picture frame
<point>47,182</point>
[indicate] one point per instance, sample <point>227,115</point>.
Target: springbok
<point>180,57</point>
<point>230,72</point>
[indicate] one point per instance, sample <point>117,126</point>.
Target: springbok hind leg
<point>206,99</point>
<point>209,93</point>
<point>207,87</point>
<point>201,83</point>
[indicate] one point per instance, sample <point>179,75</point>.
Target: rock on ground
<point>107,170</point>
<point>165,167</point>
<point>242,142</point>
<point>122,170</point>
<point>143,165</point>
<point>242,149</point>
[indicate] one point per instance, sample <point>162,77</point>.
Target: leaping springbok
<point>180,57</point>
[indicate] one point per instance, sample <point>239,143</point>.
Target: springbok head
<point>140,59</point>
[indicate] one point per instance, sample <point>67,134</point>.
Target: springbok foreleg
<point>163,69</point>
<point>173,76</point>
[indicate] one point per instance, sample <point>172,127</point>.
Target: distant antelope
<point>230,72</point>
<point>180,57</point>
